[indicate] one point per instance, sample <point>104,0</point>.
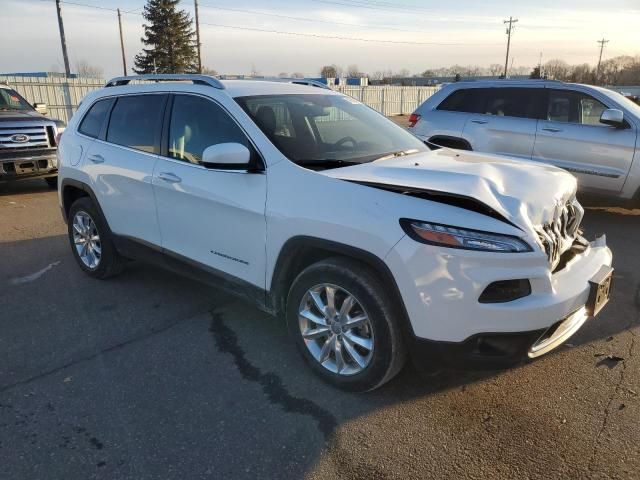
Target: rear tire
<point>91,241</point>
<point>357,347</point>
<point>52,182</point>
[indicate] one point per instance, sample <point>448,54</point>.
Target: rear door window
<point>513,102</point>
<point>94,119</point>
<point>136,122</point>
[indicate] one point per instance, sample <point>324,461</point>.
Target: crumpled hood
<point>524,192</point>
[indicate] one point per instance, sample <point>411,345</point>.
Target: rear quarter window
<point>92,122</point>
<point>468,100</point>
<point>136,122</point>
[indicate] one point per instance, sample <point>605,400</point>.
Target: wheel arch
<point>71,190</point>
<point>302,251</point>
<point>451,142</point>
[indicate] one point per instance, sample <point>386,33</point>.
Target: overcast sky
<point>467,31</point>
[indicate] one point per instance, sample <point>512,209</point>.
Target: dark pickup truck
<point>28,139</point>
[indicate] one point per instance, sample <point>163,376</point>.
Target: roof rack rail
<point>297,81</point>
<point>168,77</point>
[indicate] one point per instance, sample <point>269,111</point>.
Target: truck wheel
<point>345,324</point>
<point>91,242</point>
<point>52,182</point>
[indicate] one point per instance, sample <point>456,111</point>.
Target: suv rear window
<point>93,120</point>
<point>136,122</point>
<point>503,102</point>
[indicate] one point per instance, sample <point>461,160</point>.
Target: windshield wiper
<point>400,153</point>
<point>325,163</point>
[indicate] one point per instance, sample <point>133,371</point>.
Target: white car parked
<point>316,207</point>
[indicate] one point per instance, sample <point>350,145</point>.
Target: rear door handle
<point>169,177</point>
<point>96,158</point>
<point>480,122</point>
<point>552,130</point>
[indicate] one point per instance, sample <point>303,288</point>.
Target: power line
<point>314,20</point>
<point>337,37</point>
<point>390,7</point>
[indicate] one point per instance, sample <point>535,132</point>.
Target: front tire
<point>345,325</point>
<point>91,242</point>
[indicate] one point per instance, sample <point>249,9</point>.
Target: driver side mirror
<point>613,117</point>
<point>41,108</point>
<point>226,156</point>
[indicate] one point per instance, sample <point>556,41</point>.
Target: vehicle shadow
<point>22,187</point>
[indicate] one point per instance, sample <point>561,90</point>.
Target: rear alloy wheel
<point>345,324</point>
<point>90,240</point>
<point>87,240</point>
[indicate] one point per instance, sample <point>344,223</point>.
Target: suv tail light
<point>413,119</point>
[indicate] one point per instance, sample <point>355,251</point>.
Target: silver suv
<point>589,131</point>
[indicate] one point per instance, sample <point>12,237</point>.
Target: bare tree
<point>254,71</point>
<point>557,69</point>
<point>582,74</point>
<point>209,71</point>
<point>521,70</point>
<point>403,73</point>
<point>297,75</point>
<point>353,71</point>
<point>84,69</point>
<point>329,71</point>
<point>283,75</point>
<point>495,69</point>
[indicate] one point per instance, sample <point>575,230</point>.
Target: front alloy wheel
<point>343,320</point>
<point>87,240</point>
<point>336,329</point>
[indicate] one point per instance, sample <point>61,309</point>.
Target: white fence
<point>389,100</point>
<point>63,95</point>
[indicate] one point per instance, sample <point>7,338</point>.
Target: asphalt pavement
<point>153,376</point>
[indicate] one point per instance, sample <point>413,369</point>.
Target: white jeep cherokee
<point>317,207</point>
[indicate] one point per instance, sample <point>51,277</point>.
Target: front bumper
<point>440,288</point>
<point>32,166</point>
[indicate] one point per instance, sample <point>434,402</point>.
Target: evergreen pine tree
<point>169,36</point>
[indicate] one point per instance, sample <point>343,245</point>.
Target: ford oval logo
<point>20,138</point>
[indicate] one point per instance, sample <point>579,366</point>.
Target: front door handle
<point>480,122</point>
<point>169,177</point>
<point>552,130</point>
<point>96,158</point>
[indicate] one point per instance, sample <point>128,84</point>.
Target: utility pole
<point>124,60</point>
<point>62,39</point>
<point>511,22</point>
<point>602,43</point>
<point>540,66</point>
<point>198,36</point>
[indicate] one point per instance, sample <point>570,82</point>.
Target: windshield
<point>11,100</point>
<point>328,131</point>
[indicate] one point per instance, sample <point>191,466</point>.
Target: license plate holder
<point>600,290</point>
<point>25,167</point>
